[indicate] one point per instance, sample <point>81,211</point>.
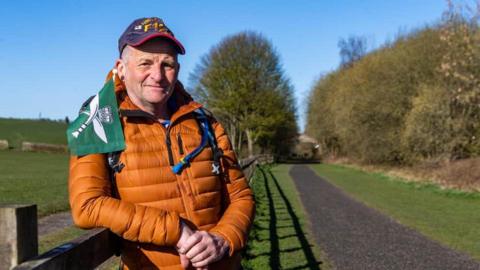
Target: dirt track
<point>54,222</point>
<point>355,236</point>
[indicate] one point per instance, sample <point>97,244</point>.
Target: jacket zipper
<point>180,144</point>
<point>181,182</point>
<point>169,148</point>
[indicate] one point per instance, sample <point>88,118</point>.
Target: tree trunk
<point>240,140</point>
<point>233,136</point>
<point>250,142</point>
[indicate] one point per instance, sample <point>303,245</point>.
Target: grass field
<point>279,238</point>
<point>450,217</point>
<point>38,178</point>
<point>18,130</point>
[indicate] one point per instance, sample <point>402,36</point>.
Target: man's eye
<point>144,64</point>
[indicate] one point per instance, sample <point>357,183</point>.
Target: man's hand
<point>203,248</point>
<point>185,233</point>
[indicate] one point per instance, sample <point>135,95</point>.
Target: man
<point>193,214</point>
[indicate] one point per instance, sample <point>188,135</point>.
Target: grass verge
<point>279,237</point>
<point>37,178</point>
<point>447,216</point>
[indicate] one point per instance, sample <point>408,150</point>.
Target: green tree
<point>242,81</point>
<point>359,110</point>
<point>413,99</point>
<point>321,114</point>
<point>460,74</point>
<point>427,126</point>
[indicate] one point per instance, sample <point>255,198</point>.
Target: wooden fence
<point>19,244</point>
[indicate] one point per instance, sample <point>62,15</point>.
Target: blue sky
<point>55,54</point>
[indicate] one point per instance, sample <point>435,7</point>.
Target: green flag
<point>97,128</point>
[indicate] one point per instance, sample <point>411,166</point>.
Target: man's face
<point>149,72</point>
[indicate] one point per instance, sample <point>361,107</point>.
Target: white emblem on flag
<point>96,116</point>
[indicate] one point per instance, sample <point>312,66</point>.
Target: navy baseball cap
<point>144,29</point>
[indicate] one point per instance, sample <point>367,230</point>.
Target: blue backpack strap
<point>207,138</point>
<point>217,152</point>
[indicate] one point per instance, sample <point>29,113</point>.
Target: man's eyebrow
<point>169,59</point>
<point>144,58</point>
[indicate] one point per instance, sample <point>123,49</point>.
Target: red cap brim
<point>179,45</point>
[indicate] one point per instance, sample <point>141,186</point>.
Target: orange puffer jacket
<point>152,199</point>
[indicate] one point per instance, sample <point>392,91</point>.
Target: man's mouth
<point>159,87</point>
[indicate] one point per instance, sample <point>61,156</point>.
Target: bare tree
<point>352,49</point>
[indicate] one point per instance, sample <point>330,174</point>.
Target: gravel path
<point>54,222</point>
<point>355,236</point>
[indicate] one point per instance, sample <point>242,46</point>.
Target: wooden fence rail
<point>19,244</point>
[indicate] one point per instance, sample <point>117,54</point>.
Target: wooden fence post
<point>18,234</point>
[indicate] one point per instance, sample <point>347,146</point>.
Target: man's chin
<point>157,101</point>
<point>158,98</point>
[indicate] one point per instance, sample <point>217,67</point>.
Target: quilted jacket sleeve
<point>93,206</point>
<point>238,216</point>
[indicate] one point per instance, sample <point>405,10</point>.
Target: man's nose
<point>157,72</point>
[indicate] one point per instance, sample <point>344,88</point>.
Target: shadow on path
<point>311,261</point>
<point>283,223</point>
<point>274,244</point>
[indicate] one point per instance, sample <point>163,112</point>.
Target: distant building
<point>305,148</point>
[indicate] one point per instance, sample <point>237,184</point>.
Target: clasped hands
<point>200,248</point>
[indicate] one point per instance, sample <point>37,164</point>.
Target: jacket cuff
<point>174,230</point>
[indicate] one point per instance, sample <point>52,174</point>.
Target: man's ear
<point>120,66</point>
